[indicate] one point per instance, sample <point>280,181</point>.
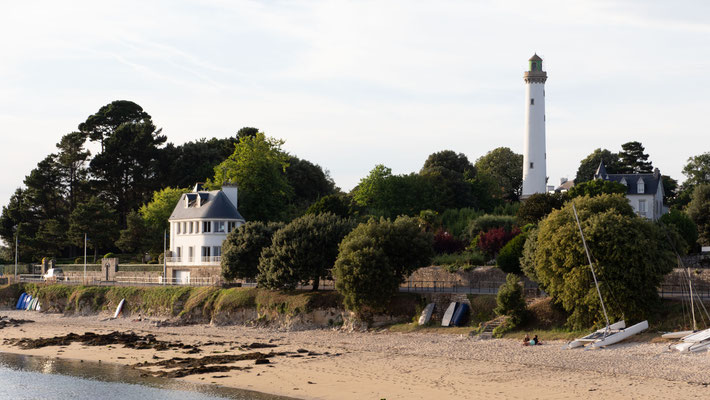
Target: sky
<point>352,84</point>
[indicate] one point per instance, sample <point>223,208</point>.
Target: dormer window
<point>623,182</point>
<point>640,186</point>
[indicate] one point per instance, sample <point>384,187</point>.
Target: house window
<point>219,226</point>
<point>205,251</point>
<point>640,186</point>
<point>178,228</point>
<point>206,226</point>
<point>531,165</point>
<point>184,227</point>
<point>191,226</point>
<point>217,251</point>
<point>642,207</point>
<point>179,253</point>
<point>532,102</point>
<point>190,253</point>
<point>231,225</point>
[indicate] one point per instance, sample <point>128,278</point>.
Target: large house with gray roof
<point>644,191</point>
<point>199,224</point>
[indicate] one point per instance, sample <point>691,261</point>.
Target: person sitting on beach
<point>536,340</point>
<point>533,341</point>
<point>526,340</point>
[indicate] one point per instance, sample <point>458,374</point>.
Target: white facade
<point>200,223</point>
<point>534,153</point>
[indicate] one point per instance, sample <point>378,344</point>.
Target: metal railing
<point>208,260</point>
<point>479,287</point>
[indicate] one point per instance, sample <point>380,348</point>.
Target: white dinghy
<point>693,343</point>
<point>612,333</point>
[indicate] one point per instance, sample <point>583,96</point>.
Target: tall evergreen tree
<point>633,160</point>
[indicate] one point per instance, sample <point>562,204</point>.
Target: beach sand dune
<point>377,365</point>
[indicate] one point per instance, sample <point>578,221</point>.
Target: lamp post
<point>17,235</point>
<point>84,257</point>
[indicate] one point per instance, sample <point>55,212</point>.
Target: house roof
<point>212,205</point>
<point>601,171</point>
<point>650,182</point>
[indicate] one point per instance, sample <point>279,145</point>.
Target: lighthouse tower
<point>534,156</point>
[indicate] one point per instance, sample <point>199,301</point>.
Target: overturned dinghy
<point>693,343</point>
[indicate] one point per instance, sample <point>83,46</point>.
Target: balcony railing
<point>210,260</point>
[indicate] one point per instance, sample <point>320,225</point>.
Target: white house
<point>199,224</point>
<point>644,191</point>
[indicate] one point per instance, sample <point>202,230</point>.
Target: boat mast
<point>594,275</point>
<point>690,287</point>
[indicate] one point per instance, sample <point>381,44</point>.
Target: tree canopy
<point>631,256</point>
<point>588,166</point>
<point>506,167</point>
<point>596,187</point>
<point>303,251</point>
<point>243,246</point>
<point>258,167</point>
<point>699,211</point>
<point>538,205</point>
<point>633,160</point>
<point>376,257</point>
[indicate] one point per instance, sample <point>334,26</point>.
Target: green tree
<point>699,211</point>
<point>685,227</point>
<point>127,171</point>
<point>19,220</point>
<point>303,251</point>
<point>134,237</point>
<point>697,170</point>
<point>510,301</point>
<point>257,166</point>
<point>309,182</point>
<point>631,257</point>
<point>633,160</point>
<point>71,161</point>
<point>486,222</point>
<point>109,118</point>
<point>95,219</point>
<point>388,195</point>
<point>508,259</point>
<point>670,190</point>
<point>376,257</point>
<point>538,205</point>
<point>243,246</point>
<point>506,167</point>
<point>450,160</point>
<point>596,187</point>
<point>194,161</point>
<point>589,165</point>
<point>338,204</point>
<point>247,132</point>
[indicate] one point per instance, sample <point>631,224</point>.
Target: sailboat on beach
<point>612,333</point>
<point>694,340</point>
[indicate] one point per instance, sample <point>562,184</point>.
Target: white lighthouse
<point>534,156</point>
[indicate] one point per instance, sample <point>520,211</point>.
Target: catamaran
<point>693,340</point>
<point>612,333</point>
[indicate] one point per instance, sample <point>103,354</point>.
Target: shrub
<point>457,220</point>
<point>79,260</point>
<point>487,222</point>
<point>376,257</point>
<point>493,240</point>
<point>444,242</point>
<point>243,246</point>
<point>463,261</point>
<point>538,205</point>
<point>685,226</point>
<point>508,259</point>
<point>303,251</point>
<point>109,255</point>
<point>511,301</point>
<point>631,257</point>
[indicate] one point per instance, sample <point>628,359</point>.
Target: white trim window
<point>219,226</point>
<point>640,186</point>
<point>642,207</point>
<point>206,226</point>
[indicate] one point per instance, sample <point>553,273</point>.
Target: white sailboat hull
<point>591,337</point>
<point>693,343</point>
<point>676,335</point>
<point>621,335</point>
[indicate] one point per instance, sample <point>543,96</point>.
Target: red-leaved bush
<point>444,242</point>
<point>491,241</point>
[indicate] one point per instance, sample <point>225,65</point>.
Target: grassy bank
<point>191,304</point>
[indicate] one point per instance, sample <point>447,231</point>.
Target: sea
<point>45,378</point>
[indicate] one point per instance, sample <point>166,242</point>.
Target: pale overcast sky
<point>350,84</point>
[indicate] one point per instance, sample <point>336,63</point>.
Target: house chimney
<point>231,191</point>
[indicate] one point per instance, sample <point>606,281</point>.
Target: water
<point>29,377</point>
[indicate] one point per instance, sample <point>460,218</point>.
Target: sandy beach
<point>331,364</point>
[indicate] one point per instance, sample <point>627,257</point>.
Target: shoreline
<point>386,365</point>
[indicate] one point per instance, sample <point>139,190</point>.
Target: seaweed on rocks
<point>6,322</point>
<point>127,339</point>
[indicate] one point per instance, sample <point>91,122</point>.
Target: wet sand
<point>330,364</point>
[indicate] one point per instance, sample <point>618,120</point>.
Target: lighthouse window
<point>534,66</point>
<point>531,165</point>
<point>532,102</point>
